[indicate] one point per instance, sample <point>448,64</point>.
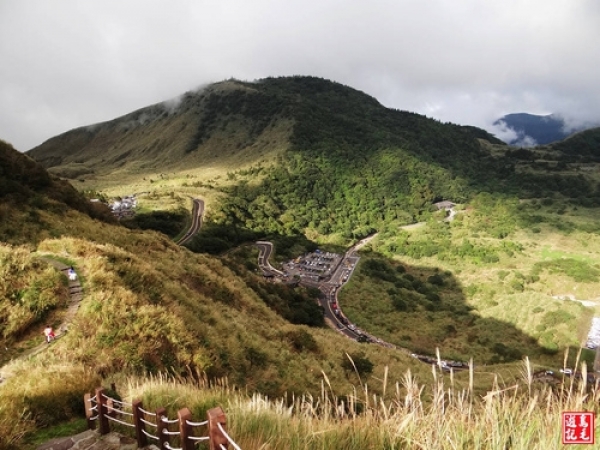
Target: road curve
<point>265,248</point>
<point>197,213</point>
<point>329,288</point>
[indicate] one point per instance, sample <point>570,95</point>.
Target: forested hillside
<point>311,156</point>
<point>354,167</point>
<point>583,146</point>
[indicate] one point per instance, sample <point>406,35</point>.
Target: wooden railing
<point>156,426</point>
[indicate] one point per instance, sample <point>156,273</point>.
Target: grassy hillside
<point>35,205</point>
<point>353,167</point>
<point>525,416</point>
<point>182,311</point>
<point>218,125</point>
<point>156,307</point>
<point>30,291</point>
<point>149,306</point>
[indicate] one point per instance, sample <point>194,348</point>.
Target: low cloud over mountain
<point>528,130</point>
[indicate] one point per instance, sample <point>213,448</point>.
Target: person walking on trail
<point>72,274</point>
<point>49,333</point>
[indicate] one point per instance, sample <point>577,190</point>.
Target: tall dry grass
<point>37,395</point>
<point>435,415</point>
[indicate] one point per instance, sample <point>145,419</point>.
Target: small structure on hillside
<point>124,207</point>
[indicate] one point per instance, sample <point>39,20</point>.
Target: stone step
<point>92,440</point>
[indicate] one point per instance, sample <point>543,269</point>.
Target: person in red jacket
<point>49,333</point>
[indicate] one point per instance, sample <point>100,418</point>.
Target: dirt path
<point>76,294</point>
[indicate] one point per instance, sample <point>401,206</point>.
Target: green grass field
<point>493,291</point>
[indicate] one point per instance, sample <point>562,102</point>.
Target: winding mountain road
<point>265,248</point>
<point>197,213</point>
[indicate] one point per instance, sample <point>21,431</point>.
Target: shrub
<point>517,286</point>
<point>436,279</point>
<point>553,318</point>
<point>357,363</point>
<point>302,340</point>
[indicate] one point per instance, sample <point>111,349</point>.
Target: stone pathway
<point>92,440</point>
<point>75,291</point>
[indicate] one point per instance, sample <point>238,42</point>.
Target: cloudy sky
<point>68,63</point>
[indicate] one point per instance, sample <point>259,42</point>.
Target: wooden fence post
<point>103,427</point>
<point>184,415</point>
<point>160,427</point>
<point>217,440</point>
<point>138,414</point>
<point>87,400</point>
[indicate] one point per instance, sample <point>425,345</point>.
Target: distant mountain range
<point>528,130</point>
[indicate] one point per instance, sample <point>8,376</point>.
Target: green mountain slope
<point>224,123</point>
<point>582,146</point>
<point>148,304</point>
<point>340,165</point>
<point>346,164</point>
<point>354,167</point>
<point>351,167</point>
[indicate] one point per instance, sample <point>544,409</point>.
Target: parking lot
<point>315,266</point>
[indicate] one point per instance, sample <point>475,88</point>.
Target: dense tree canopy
<point>354,166</point>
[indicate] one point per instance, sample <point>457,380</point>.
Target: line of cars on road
<point>593,339</point>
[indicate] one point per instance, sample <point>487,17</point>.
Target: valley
<point>347,168</point>
<point>317,257</point>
